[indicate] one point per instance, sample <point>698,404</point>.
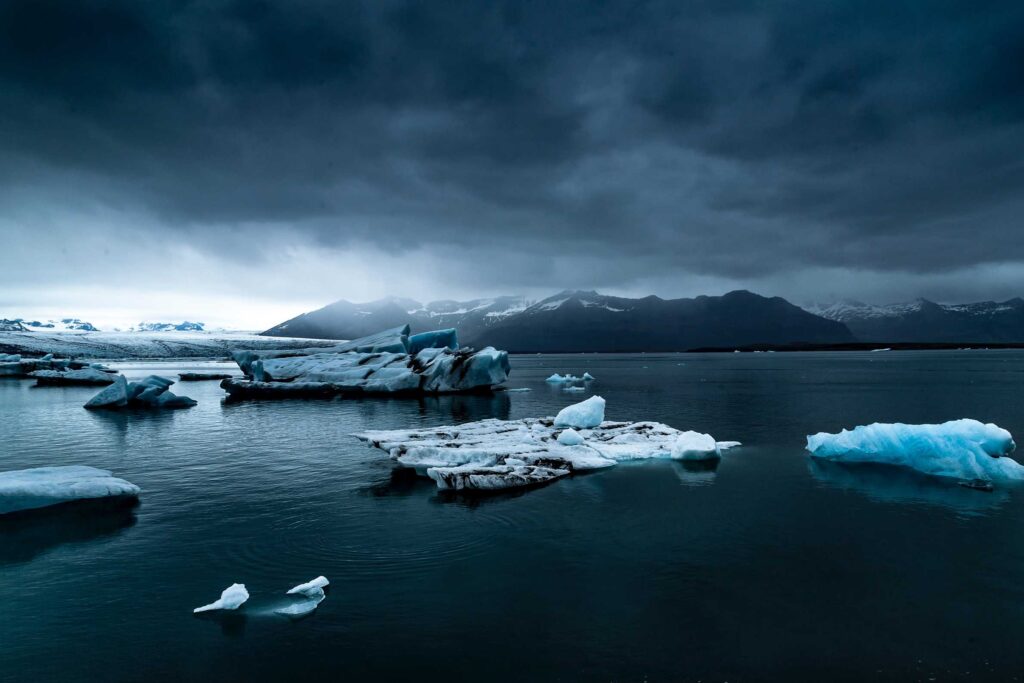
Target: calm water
<point>766,568</point>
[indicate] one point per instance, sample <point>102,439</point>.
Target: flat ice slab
<point>961,449</point>
<point>499,454</point>
<point>233,597</point>
<point>86,376</point>
<point>44,486</point>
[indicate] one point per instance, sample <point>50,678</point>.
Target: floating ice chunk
<point>570,437</point>
<point>319,583</point>
<point>588,377</point>
<point>232,598</point>
<point>726,445</point>
<point>518,390</point>
<point>87,376</point>
<point>562,379</point>
<point>589,413</point>
<point>877,350</point>
<point>45,486</point>
<point>150,392</point>
<point>575,390</point>
<point>203,376</point>
<point>311,600</point>
<point>695,446</point>
<point>962,449</point>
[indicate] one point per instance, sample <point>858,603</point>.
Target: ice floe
<point>150,392</point>
<point>695,446</point>
<point>44,486</point>
<point>389,362</point>
<point>961,449</point>
<point>311,594</point>
<point>86,376</point>
<point>499,454</point>
<point>233,597</point>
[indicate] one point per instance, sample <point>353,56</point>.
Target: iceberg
<point>319,583</point>
<point>695,446</point>
<point>86,376</point>
<point>499,454</point>
<point>589,413</point>
<point>390,362</point>
<point>961,449</point>
<point>562,379</point>
<point>233,597</point>
<point>312,594</point>
<point>150,392</point>
<point>587,377</point>
<point>44,486</point>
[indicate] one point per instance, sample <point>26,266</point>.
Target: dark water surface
<point>766,568</point>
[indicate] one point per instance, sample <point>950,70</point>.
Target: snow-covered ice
<point>233,597</point>
<point>589,413</point>
<point>44,486</point>
<point>962,449</point>
<point>499,454</point>
<point>389,362</point>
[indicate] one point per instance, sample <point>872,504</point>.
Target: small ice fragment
<point>232,598</point>
<point>312,600</point>
<point>570,437</point>
<point>575,390</point>
<point>584,415</point>
<point>726,445</point>
<point>588,377</point>
<point>310,587</point>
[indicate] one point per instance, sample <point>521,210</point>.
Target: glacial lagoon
<point>765,565</point>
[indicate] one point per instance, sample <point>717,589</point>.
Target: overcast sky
<point>241,162</point>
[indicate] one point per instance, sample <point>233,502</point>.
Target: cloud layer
<point>304,151</point>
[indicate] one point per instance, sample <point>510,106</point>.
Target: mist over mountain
<point>576,321</point>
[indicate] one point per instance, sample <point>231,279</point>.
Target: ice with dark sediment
<point>505,454</point>
<point>389,362</point>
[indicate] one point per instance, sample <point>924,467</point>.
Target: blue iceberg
<point>961,449</point>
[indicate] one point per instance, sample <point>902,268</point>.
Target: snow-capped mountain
<point>582,321</point>
<point>351,320</point>
<point>926,321</point>
<point>62,325</point>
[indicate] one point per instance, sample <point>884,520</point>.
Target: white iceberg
<point>695,446</point>
<point>150,392</point>
<point>44,486</point>
<point>499,454</point>
<point>233,597</point>
<point>390,362</point>
<point>587,377</point>
<point>961,449</point>
<point>589,413</point>
<point>563,379</point>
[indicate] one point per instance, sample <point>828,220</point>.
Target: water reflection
<point>696,472</point>
<point>889,484</point>
<point>25,535</point>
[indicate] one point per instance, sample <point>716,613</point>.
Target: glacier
<point>233,597</point>
<point>496,454</point>
<point>961,449</point>
<point>388,362</point>
<point>44,486</point>
<point>150,392</point>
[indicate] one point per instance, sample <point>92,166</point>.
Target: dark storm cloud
<point>727,139</point>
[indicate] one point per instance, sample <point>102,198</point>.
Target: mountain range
<point>582,321</point>
<point>926,321</point>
